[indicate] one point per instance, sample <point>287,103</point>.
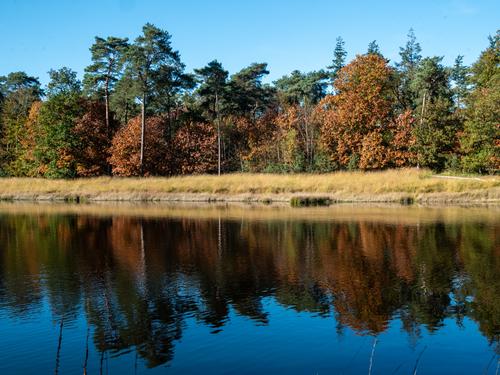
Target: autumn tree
<point>298,95</point>
<point>261,150</point>
<point>248,100</point>
<point>18,92</point>
<point>92,150</point>
<point>355,120</point>
<point>402,141</point>
<point>125,151</point>
<point>25,162</point>
<point>196,149</point>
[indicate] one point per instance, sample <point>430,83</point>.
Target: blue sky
<point>37,35</point>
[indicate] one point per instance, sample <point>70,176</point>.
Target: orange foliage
<point>355,119</point>
<point>403,140</point>
<point>196,149</point>
<point>259,141</point>
<point>126,146</point>
<point>29,139</point>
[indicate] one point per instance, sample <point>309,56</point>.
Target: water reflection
<point>136,280</point>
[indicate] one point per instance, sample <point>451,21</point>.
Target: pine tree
<point>339,58</point>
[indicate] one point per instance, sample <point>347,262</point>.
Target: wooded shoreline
<point>391,186</point>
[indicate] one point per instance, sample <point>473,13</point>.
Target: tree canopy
<point>138,111</point>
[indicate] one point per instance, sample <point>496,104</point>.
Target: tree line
<point>138,112</point>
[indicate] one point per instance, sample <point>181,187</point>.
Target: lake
<point>115,289</point>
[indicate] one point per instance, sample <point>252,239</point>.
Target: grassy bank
<point>387,186</point>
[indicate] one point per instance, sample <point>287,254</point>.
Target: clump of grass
<point>310,201</point>
<point>407,201</point>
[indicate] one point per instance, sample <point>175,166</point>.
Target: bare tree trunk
<point>421,124</point>
<point>106,103</point>
<point>143,130</point>
<point>218,133</point>
<point>108,128</point>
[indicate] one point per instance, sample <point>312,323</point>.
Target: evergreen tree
<point>436,127</point>
<point>339,58</point>
<point>57,140</point>
<point>480,141</point>
<point>459,76</point>
<point>123,101</point>
<point>410,59</point>
<point>373,49</point>
<point>302,88</point>
<point>212,92</point>
<point>106,68</point>
<point>156,68</point>
<point>248,96</point>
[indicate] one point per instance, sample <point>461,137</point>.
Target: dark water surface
<point>244,290</point>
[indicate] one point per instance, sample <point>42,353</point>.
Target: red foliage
<point>94,141</point>
<point>196,149</point>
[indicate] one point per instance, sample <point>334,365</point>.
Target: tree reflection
<point>138,280</point>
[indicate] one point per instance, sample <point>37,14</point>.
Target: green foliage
<point>156,69</point>
<point>63,82</point>
<point>410,56</point>
<point>353,163</point>
<point>57,140</point>
<point>18,92</point>
<point>248,95</point>
<point>123,101</point>
<point>460,78</point>
<point>302,88</point>
<point>436,127</point>
<point>339,58</point>
<point>377,116</point>
<point>108,57</point>
<point>212,91</point>
<point>480,141</point>
<point>373,49</point>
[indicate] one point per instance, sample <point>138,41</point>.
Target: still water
<point>243,290</point>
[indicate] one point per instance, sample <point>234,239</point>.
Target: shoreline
<point>392,186</point>
<point>490,196</point>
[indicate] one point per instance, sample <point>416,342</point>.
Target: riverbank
<point>393,186</point>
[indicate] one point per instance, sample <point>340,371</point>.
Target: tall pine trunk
<point>143,130</point>
<point>218,133</point>
<point>108,128</point>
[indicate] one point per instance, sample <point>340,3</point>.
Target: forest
<point>138,112</point>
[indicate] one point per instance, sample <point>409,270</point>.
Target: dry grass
<point>391,185</point>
